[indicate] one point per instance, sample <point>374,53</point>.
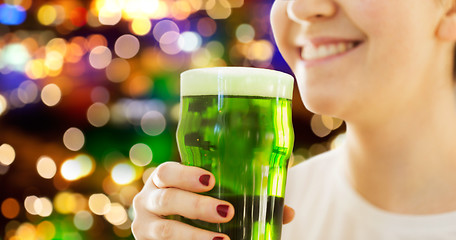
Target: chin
<point>323,104</point>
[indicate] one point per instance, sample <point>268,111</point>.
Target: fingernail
<point>218,238</point>
<point>204,179</point>
<point>223,210</point>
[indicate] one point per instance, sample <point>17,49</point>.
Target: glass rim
<point>240,81</point>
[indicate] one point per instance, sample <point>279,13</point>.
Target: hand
<point>169,191</point>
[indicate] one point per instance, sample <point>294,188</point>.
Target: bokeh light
<point>96,40</point>
<point>3,104</point>
<point>153,123</point>
<point>261,50</point>
<point>78,16</point>
<point>26,231</point>
<point>58,45</point>
<point>100,94</point>
<point>98,114</point>
<point>180,10</point>
<point>71,170</point>
<point>51,94</point>
<point>126,46</point>
<point>36,69</point>
<point>43,207</point>
<point>218,9</point>
<point>317,148</point>
<point>14,57</point>
<point>245,33</point>
<point>47,14</point>
<point>169,42</point>
<point>12,14</point>
<point>87,164</point>
<point>123,173</point>
<point>216,49</point>
<point>99,204</point>
<point>206,26</point>
<point>137,85</point>
<point>141,26</point>
<point>7,154</point>
<point>126,195</point>
<point>29,204</point>
<point>163,27</point>
<point>318,127</point>
<point>10,208</point>
<point>79,167</point>
<point>201,58</point>
<point>46,167</point>
<point>117,215</point>
<point>54,60</point>
<point>27,92</point>
<point>45,230</point>
<point>330,122</point>
<point>140,154</point>
<point>100,57</point>
<point>64,202</point>
<point>118,70</point>
<point>189,41</point>
<point>4,169</point>
<point>14,99</point>
<point>110,13</point>
<point>73,138</point>
<point>83,220</point>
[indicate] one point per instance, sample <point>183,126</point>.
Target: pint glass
<point>236,123</point>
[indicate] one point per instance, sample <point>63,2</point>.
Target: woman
<point>386,68</point>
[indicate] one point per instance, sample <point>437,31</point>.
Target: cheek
<point>392,19</point>
<point>281,26</point>
<point>278,20</point>
<point>391,31</point>
<point>373,17</point>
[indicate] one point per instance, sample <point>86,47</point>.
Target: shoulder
<point>319,163</point>
<point>311,177</point>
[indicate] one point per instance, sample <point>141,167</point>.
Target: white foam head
<point>239,81</point>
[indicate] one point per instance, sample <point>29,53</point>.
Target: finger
<point>174,230</point>
<point>172,201</point>
<point>288,214</point>
<point>173,174</point>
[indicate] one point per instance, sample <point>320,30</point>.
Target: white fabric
<point>327,208</point>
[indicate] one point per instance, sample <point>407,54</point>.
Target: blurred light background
<point>89,99</point>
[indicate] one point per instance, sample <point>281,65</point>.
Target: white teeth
<point>323,51</point>
<point>310,52</point>
<point>332,48</point>
<point>342,47</point>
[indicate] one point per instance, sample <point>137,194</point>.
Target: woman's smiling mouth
<point>319,50</point>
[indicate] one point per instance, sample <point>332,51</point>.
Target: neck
<point>405,163</point>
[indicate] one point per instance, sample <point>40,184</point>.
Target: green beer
<point>236,123</point>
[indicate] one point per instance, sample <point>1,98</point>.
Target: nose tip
<point>311,10</point>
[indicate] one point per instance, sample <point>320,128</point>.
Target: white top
<point>327,207</point>
<point>237,81</point>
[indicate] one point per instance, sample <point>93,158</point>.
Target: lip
<point>316,42</point>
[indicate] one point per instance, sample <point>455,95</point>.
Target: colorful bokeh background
<point>89,100</point>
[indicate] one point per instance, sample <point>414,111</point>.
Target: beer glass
<point>236,123</point>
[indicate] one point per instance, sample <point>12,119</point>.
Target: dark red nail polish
<point>223,210</point>
<point>218,238</point>
<point>204,179</point>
